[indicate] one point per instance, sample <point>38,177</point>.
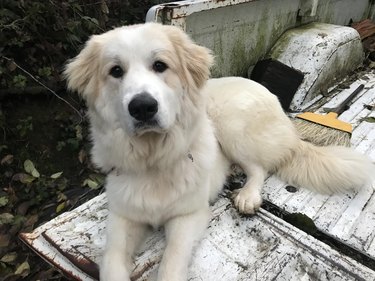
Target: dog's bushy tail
<point>327,169</point>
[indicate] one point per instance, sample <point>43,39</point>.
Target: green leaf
<point>9,257</point>
<point>23,269</point>
<point>99,178</point>
<point>19,81</point>
<point>35,173</point>
<point>90,183</point>
<point>6,218</point>
<point>60,207</point>
<point>24,178</point>
<point>3,201</point>
<point>61,197</point>
<point>56,175</point>
<point>369,119</point>
<point>45,71</point>
<point>30,168</point>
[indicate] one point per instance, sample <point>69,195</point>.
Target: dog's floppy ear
<point>81,72</point>
<point>196,59</point>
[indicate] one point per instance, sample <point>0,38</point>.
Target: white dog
<point>167,140</point>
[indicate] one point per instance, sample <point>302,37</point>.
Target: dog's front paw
<point>113,269</point>
<point>247,201</point>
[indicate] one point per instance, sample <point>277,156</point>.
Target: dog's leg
<point>182,233</point>
<point>248,199</point>
<point>123,238</point>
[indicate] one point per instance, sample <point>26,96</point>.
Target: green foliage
<point>37,181</point>
<point>41,35</point>
<point>24,126</point>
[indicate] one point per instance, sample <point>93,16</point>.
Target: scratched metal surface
<point>349,217</point>
<point>262,247</point>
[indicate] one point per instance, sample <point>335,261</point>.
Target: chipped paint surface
<point>262,247</point>
<point>241,32</point>
<point>324,53</point>
<point>74,240</point>
<point>348,217</point>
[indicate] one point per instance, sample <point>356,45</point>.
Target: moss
<point>239,42</point>
<point>239,55</point>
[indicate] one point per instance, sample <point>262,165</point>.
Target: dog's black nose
<point>143,107</point>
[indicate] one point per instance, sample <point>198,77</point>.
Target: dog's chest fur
<point>155,179</point>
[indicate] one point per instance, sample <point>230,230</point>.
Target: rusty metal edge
<point>24,237</point>
<point>85,264</point>
<point>167,12</point>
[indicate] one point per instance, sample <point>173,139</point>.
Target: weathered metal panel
<point>324,53</point>
<point>73,241</point>
<point>261,247</point>
<point>241,32</point>
<point>238,32</point>
<point>348,217</point>
<point>342,12</point>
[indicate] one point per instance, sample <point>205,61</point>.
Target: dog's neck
<point>150,151</point>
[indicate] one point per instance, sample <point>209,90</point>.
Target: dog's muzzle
<point>143,108</point>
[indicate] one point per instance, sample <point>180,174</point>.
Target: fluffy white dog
<point>167,140</point>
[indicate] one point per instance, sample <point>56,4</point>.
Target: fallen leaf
<point>23,269</point>
<point>90,183</point>
<point>9,257</point>
<point>61,197</point>
<point>7,159</point>
<point>369,119</point>
<point>60,207</point>
<point>93,184</point>
<point>56,175</point>
<point>30,168</point>
<point>35,173</point>
<point>24,178</point>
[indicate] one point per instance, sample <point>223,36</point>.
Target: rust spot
<point>28,239</point>
<point>84,263</point>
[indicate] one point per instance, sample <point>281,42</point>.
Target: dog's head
<point>137,76</point>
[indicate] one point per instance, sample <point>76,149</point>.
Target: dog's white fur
<point>166,173</point>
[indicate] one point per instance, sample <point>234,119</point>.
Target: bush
<point>40,36</point>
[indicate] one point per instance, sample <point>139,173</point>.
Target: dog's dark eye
<point>159,66</point>
<point>116,72</point>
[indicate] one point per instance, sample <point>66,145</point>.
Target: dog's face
<point>135,77</point>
